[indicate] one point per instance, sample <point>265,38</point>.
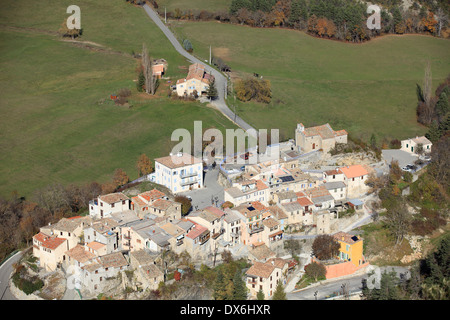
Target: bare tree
<point>442,19</point>
<point>398,221</point>
<point>147,65</point>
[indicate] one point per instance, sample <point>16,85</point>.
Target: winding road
<point>5,273</point>
<point>221,81</point>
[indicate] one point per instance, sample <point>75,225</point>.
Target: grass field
<point>363,88</point>
<point>58,125</point>
<point>209,5</point>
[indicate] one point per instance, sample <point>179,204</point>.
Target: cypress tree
<point>240,291</point>
<point>219,286</point>
<point>211,92</point>
<point>279,293</point>
<point>260,295</point>
<point>141,82</point>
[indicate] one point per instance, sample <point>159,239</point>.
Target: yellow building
<point>351,248</point>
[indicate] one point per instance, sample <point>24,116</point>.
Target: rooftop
<point>142,257</point>
<point>262,252</point>
<point>49,242</point>
<point>423,140</point>
<point>113,260</point>
<point>334,185</point>
<point>152,195</point>
<point>346,237</point>
<point>113,197</point>
<point>196,231</point>
<point>259,269</point>
<point>354,171</point>
<point>178,161</point>
<point>79,254</point>
<point>324,131</point>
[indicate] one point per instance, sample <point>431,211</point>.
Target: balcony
<point>188,174</point>
<point>255,230</point>
<point>204,239</point>
<point>186,183</point>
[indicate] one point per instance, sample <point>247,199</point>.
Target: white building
<point>410,145</point>
<point>179,173</point>
<point>197,80</point>
<point>103,206</point>
<point>355,179</point>
<point>248,191</point>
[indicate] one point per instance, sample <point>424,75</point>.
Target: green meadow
<point>363,88</point>
<point>209,5</point>
<point>58,124</point>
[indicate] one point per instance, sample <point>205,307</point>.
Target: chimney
<point>273,262</point>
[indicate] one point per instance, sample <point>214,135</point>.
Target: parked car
<point>406,169</point>
<point>189,198</point>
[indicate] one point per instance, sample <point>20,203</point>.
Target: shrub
<point>316,271</point>
<point>253,89</point>
<point>187,45</point>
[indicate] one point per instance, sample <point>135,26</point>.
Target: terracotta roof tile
<point>113,197</point>
<point>345,237</point>
<point>354,171</point>
<point>259,269</point>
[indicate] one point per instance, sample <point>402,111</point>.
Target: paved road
<point>328,287</point>
<point>5,272</point>
<point>221,81</point>
<point>201,198</point>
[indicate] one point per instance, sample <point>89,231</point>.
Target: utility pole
<point>234,105</point>
<point>165,15</point>
<point>210,55</point>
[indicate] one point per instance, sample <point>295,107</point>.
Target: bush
<point>187,45</point>
<point>27,285</point>
<point>253,89</point>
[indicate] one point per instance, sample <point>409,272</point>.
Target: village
<point>248,212</point>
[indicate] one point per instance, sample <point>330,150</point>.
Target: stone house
<point>318,137</point>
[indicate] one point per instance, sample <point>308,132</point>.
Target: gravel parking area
<point>401,156</point>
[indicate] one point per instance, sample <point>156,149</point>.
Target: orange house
<point>351,248</point>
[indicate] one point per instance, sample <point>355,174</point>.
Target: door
<point>314,146</point>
